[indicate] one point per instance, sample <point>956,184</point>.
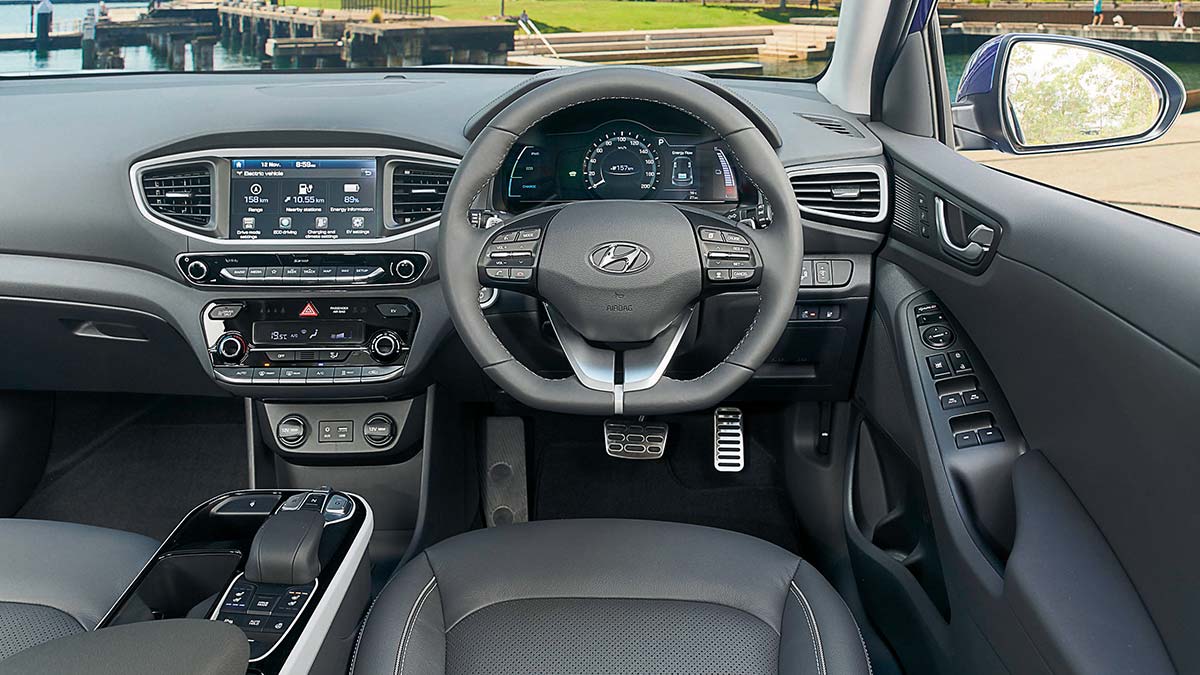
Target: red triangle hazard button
<point>308,311</point>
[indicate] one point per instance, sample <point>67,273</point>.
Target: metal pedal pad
<point>635,439</point>
<point>729,450</point>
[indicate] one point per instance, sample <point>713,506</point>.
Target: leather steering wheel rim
<point>780,244</point>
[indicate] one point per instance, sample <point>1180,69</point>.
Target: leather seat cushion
<point>608,596</point>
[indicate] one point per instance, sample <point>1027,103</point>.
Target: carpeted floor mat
<point>139,463</point>
<point>574,478</point>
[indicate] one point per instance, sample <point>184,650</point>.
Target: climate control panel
<point>303,342</point>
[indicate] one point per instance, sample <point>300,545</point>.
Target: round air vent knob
<point>385,345</point>
<point>232,347</point>
<point>197,270</point>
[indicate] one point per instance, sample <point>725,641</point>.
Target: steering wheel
<point>621,280</point>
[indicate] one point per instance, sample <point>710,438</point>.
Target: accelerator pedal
<point>729,449</point>
<point>627,438</point>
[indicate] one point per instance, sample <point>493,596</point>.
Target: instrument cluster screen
<point>319,198</point>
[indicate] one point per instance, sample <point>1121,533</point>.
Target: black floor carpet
<point>574,478</point>
<point>139,463</point>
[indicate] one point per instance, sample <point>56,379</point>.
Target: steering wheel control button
<point>960,364</point>
<point>709,234</point>
<point>529,234</point>
<point>496,273</point>
<point>379,430</point>
<point>718,275</point>
<point>291,432</point>
<point>520,274</point>
<point>966,439</point>
<point>937,337</point>
<point>735,238</point>
<point>939,366</point>
<point>510,257</point>
<point>627,439</point>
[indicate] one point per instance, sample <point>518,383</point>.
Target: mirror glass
<point>1063,94</point>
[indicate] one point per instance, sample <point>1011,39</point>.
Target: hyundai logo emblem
<point>619,257</point>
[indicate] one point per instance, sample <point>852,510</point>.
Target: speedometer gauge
<point>621,165</point>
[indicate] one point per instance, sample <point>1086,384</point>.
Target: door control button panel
<point>937,337</point>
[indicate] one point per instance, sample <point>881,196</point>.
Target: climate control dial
<point>232,347</point>
<point>385,345</point>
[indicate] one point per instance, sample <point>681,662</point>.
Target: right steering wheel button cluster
<point>728,257</point>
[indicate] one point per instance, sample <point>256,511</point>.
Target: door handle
<point>978,243</point>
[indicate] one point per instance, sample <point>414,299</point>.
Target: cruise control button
<point>741,275</point>
<point>735,238</point>
<point>718,275</point>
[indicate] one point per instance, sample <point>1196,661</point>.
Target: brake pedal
<point>635,439</point>
<point>729,450</point>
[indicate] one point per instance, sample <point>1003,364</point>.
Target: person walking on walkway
<point>1178,14</point>
<point>1098,13</point>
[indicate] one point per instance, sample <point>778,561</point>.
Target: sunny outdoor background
<point>790,39</point>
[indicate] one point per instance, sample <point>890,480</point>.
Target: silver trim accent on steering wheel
<point>596,368</point>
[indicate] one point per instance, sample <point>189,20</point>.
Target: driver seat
<point>608,596</point>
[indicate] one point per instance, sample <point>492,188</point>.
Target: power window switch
<point>990,435</point>
<point>966,439</point>
<point>974,397</point>
<point>959,362</point>
<point>939,366</point>
<point>951,401</point>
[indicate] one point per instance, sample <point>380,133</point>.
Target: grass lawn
<point>597,15</point>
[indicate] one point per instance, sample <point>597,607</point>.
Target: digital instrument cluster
<point>618,160</point>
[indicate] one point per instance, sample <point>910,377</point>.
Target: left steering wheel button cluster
<point>511,256</point>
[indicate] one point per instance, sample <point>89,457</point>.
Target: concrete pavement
<point>1158,179</point>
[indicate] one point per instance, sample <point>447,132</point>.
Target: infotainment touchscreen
<point>304,198</point>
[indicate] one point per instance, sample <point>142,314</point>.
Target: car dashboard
<point>275,236</point>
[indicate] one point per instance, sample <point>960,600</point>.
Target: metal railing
<point>407,7</point>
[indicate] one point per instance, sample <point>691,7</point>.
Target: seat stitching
<point>410,624</point>
<point>815,633</point>
<point>362,629</point>
<point>870,670</point>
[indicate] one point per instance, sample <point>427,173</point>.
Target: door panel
<point>1087,318</point>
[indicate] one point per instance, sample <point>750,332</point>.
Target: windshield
<point>778,38</point>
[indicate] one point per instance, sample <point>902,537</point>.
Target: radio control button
<point>309,275</point>
<point>291,275</point>
<point>274,274</point>
<point>405,270</point>
<point>238,273</point>
<point>256,273</point>
<point>345,275</point>
<point>197,270</point>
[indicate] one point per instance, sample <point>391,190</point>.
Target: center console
<point>287,567</point>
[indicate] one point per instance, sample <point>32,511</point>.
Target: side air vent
<point>418,190</point>
<point>836,125</point>
<point>848,193</point>
<point>181,193</point>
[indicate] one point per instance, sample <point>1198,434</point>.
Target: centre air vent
<point>846,193</point>
<point>181,193</point>
<point>418,190</point>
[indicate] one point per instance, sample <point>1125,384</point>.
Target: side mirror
<point>1025,94</point>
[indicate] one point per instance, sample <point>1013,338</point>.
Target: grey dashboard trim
<point>208,155</point>
<point>884,193</point>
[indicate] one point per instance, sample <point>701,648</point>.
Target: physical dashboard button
<point>256,273</point>
<point>823,272</point>
<point>939,366</point>
<point>237,375</point>
<point>224,312</point>
<point>379,372</point>
<point>281,355</point>
<point>293,374</point>
<point>274,274</point>
<point>309,275</point>
<point>405,270</point>
<point>234,272</point>
<point>291,275</point>
<point>197,270</point>
<point>394,309</point>
<point>266,375</point>
<point>960,364</point>
<point>319,375</point>
<point>344,275</point>
<point>937,337</point>
<point>347,373</point>
<point>806,274</point>
<point>332,355</point>
<point>966,439</point>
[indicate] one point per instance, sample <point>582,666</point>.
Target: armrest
<point>170,647</point>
